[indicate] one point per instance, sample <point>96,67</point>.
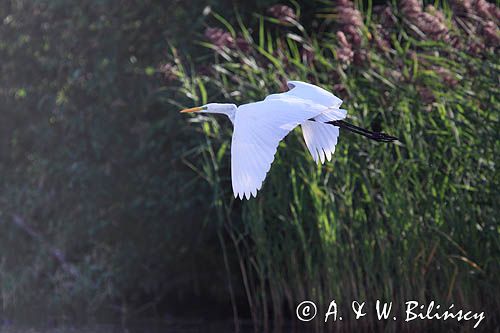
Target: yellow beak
<point>196,109</point>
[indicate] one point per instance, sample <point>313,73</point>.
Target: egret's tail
<point>320,139</point>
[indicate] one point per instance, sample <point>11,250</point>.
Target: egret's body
<point>260,126</point>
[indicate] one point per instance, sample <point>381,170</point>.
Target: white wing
<point>310,92</point>
<point>330,115</point>
<point>320,139</point>
<point>258,129</point>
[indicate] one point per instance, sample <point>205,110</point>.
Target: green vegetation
<point>112,202</point>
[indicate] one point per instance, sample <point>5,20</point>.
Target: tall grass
<point>417,219</point>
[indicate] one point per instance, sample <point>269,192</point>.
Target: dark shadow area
<point>116,208</point>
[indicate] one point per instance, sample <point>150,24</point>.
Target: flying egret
<point>260,126</point>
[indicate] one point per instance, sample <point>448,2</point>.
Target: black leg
<point>377,136</point>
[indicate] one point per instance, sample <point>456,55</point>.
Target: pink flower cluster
<point>382,31</point>
<point>431,22</point>
<point>482,18</point>
<point>446,76</point>
<point>479,8</point>
<point>349,35</point>
<point>283,13</point>
<point>344,52</point>
<point>491,34</point>
<point>221,39</point>
<point>167,71</point>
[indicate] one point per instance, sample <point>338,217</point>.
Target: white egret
<point>260,126</point>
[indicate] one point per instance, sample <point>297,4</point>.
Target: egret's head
<point>227,109</point>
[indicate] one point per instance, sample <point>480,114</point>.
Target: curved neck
<point>227,109</point>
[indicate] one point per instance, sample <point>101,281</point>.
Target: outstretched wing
<point>258,129</point>
<point>320,139</point>
<point>310,92</point>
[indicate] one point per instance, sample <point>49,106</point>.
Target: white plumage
<point>259,127</point>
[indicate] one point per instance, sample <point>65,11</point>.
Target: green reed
<point>416,219</point>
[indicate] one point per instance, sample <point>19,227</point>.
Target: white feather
<point>260,126</point>
<point>258,129</point>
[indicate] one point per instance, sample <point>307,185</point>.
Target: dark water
<point>136,327</point>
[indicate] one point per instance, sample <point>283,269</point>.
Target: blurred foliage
<point>111,202</point>
<point>90,159</point>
